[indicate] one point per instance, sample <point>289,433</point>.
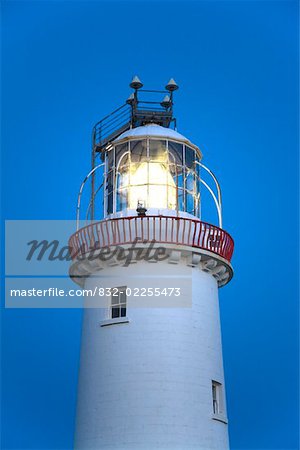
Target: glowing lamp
<point>152,183</point>
<point>155,166</point>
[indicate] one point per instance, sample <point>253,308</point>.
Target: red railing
<point>161,229</point>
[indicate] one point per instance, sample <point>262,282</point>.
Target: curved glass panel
<point>158,173</point>
<point>157,150</point>
<point>189,157</point>
<point>138,150</point>
<point>175,151</point>
<point>109,191</point>
<point>120,151</point>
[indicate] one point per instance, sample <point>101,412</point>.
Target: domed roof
<point>153,130</point>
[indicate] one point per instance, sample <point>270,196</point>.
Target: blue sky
<point>67,64</point>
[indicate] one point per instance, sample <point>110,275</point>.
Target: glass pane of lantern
<point>158,173</point>
<point>173,169</point>
<point>138,151</point>
<point>110,203</point>
<point>157,150</point>
<point>158,196</point>
<point>171,197</point>
<point>153,184</point>
<point>138,184</point>
<point>122,182</point>
<point>179,177</point>
<point>174,174</point>
<point>121,157</point>
<point>123,177</point>
<point>189,203</point>
<point>198,170</point>
<point>162,191</point>
<point>109,185</point>
<point>110,160</point>
<point>189,157</point>
<point>190,181</point>
<point>196,201</point>
<point>109,192</point>
<point>123,162</point>
<point>122,199</point>
<point>175,152</point>
<point>180,199</point>
<point>197,188</point>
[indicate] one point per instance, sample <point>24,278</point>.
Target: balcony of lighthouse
<point>148,188</point>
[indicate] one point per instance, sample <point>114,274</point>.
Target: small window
<point>217,398</point>
<point>118,302</point>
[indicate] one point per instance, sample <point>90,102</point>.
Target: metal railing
<point>111,126</point>
<point>130,114</point>
<point>161,229</point>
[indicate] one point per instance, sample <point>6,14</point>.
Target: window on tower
<point>118,302</point>
<point>217,398</point>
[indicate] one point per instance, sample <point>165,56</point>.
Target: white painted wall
<point>146,384</point>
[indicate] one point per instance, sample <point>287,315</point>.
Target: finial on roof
<point>166,102</point>
<point>172,85</point>
<point>136,83</point>
<point>130,99</point>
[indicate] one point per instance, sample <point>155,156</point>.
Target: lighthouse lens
<point>160,173</point>
<point>153,183</point>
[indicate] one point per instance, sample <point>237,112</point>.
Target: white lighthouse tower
<point>151,371</point>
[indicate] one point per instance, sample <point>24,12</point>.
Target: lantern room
<point>154,168</point>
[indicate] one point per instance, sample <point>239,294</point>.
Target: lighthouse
<point>151,369</point>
